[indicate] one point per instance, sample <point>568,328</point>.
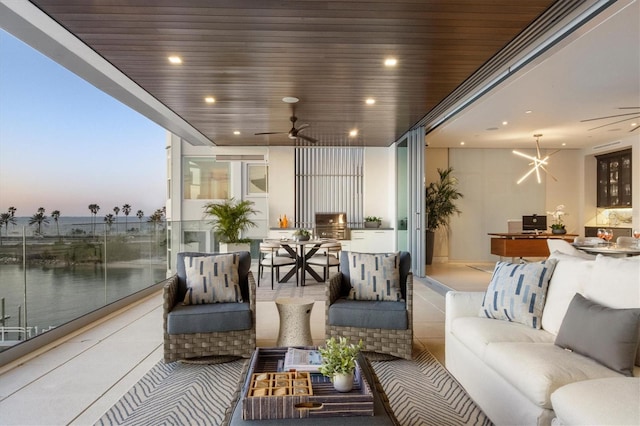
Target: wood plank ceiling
<point>249,54</point>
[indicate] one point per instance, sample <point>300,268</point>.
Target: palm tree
<point>109,219</point>
<point>93,208</point>
<point>5,219</point>
<point>12,212</point>
<point>56,215</point>
<point>126,209</point>
<point>116,210</point>
<point>39,218</point>
<point>140,215</point>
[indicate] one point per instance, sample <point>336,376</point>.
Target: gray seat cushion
<point>187,319</point>
<point>368,314</point>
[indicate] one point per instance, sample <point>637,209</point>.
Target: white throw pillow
<point>517,292</point>
<point>212,279</point>
<point>375,277</point>
<point>569,277</point>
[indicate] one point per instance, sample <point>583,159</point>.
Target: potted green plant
<point>557,227</point>
<point>231,218</point>
<point>372,222</point>
<point>339,362</point>
<point>302,235</point>
<point>441,197</point>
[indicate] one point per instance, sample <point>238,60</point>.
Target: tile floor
<point>77,380</point>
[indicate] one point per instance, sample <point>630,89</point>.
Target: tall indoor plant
<point>230,219</point>
<point>441,197</point>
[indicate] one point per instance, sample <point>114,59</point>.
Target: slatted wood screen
<point>328,179</point>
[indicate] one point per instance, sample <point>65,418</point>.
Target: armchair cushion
<point>404,267</point>
<point>243,261</point>
<point>212,279</point>
<point>368,314</point>
<point>375,277</point>
<point>210,318</point>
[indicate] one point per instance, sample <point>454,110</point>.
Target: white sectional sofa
<point>516,373</point>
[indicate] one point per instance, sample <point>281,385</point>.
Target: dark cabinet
<point>614,179</point>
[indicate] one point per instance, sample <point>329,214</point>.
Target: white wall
<point>379,184</point>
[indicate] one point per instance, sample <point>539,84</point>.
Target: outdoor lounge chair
<point>203,330</point>
<point>384,326</point>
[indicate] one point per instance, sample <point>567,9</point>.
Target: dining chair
<point>626,242</point>
<point>270,258</point>
<point>327,256</point>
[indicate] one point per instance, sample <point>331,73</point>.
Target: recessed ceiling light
<point>370,101</point>
<point>634,124</point>
<point>236,132</point>
<point>462,143</point>
<point>564,144</point>
<point>528,111</point>
<point>504,123</point>
<point>353,133</point>
<point>210,99</point>
<point>175,60</point>
<point>290,99</point>
<point>390,62</point>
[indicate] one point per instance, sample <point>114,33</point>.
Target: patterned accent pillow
<point>375,277</point>
<point>517,292</point>
<point>212,279</point>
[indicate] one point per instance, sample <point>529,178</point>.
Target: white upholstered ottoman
<point>610,401</point>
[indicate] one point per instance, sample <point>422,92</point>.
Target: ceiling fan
<point>294,133</point>
<point>628,116</point>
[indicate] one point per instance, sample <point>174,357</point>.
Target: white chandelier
<point>537,163</point>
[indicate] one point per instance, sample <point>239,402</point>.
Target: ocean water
<point>57,295</point>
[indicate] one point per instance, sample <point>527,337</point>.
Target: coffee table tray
<point>323,401</point>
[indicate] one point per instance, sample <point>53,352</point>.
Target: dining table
<point>609,249</point>
<point>301,250</point>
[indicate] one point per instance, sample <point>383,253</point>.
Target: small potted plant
<point>558,220</point>
<point>372,222</point>
<point>339,362</point>
<point>302,235</point>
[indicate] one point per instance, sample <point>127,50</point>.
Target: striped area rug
<point>420,392</point>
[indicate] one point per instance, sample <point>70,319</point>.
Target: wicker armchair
<point>392,341</point>
<point>211,337</point>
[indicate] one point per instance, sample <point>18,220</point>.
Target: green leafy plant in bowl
<point>372,222</point>
<point>339,362</point>
<point>302,234</point>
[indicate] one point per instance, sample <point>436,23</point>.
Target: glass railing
<point>54,275</point>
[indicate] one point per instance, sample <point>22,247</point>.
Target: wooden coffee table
<point>382,414</point>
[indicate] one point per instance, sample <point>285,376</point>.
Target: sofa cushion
<point>212,279</point>
<point>477,333</point>
<point>517,292</point>
<point>188,319</point>
<point>610,336</point>
<point>569,277</point>
<point>538,369</point>
<point>375,277</point>
<point>405,268</point>
<point>368,314</point>
<point>581,403</point>
<point>615,282</point>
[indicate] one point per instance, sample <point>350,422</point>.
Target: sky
<point>64,144</point>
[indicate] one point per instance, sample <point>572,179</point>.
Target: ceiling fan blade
<point>617,122</point>
<point>303,126</point>
<point>634,129</point>
<point>307,138</point>
<point>608,116</point>
<point>271,133</point>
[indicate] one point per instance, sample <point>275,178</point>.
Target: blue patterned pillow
<point>212,279</point>
<point>517,292</point>
<point>375,277</point>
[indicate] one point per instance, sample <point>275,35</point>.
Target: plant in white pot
<point>339,362</point>
<point>302,235</point>
<point>441,197</point>
<point>372,222</point>
<point>231,218</point>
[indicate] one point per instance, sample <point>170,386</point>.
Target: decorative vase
<point>303,237</point>
<point>343,382</point>
<point>558,231</point>
<point>372,224</point>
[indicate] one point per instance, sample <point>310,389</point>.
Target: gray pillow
<point>609,336</point>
